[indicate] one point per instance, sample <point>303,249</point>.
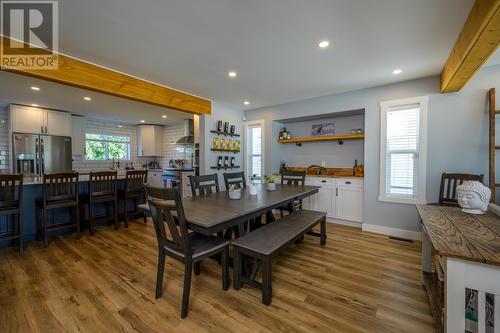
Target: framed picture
<point>323,129</point>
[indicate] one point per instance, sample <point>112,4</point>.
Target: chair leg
<point>91,219</point>
<point>20,229</point>
<point>115,207</point>
<point>77,220</point>
<point>197,268</point>
<point>225,269</point>
<point>266,281</point>
<point>236,268</point>
<point>44,226</point>
<point>187,288</point>
<point>125,212</point>
<point>145,216</point>
<point>159,274</point>
<point>323,232</point>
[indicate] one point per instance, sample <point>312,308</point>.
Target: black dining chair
<point>188,247</point>
<point>449,183</point>
<point>231,178</point>
<point>292,178</point>
<point>11,204</point>
<point>205,184</point>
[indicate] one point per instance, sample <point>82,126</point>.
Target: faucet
<point>318,168</point>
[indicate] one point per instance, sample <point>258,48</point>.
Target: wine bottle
<point>219,161</point>
<point>226,161</point>
<point>232,161</point>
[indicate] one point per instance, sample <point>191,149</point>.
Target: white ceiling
<point>15,88</point>
<point>191,44</point>
<point>494,59</point>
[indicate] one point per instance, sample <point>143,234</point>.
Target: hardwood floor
<point>358,282</point>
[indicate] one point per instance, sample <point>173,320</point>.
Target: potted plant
<point>270,182</point>
<point>234,191</point>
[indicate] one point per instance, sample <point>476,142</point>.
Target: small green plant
<point>270,179</point>
<point>234,187</point>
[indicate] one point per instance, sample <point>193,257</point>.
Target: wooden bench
<point>268,241</point>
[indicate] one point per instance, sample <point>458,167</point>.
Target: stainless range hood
<point>188,138</point>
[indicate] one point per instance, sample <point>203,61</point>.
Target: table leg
<point>426,253</point>
<point>454,296</point>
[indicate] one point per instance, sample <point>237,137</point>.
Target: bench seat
<point>269,240</point>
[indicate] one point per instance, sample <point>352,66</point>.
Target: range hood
<point>188,138</point>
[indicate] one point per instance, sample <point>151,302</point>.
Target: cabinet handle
<point>46,130</point>
<point>323,181</point>
<point>348,183</point>
<point>41,129</point>
<point>337,192</point>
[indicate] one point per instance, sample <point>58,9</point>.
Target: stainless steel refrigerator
<point>36,154</point>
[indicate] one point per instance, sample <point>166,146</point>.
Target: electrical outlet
<point>323,163</point>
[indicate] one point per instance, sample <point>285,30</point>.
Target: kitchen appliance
<point>188,138</point>
<point>179,179</point>
<point>34,155</point>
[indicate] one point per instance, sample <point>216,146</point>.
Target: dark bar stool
<point>292,178</point>
<point>102,189</point>
<point>60,190</point>
<point>134,189</point>
<point>11,204</point>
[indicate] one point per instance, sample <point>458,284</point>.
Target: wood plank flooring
<point>358,282</point>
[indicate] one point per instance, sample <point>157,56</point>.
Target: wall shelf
<point>339,138</point>
<point>225,168</point>
<point>224,133</point>
<point>225,150</point>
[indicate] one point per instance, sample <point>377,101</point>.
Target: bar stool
<point>134,189</point>
<point>102,189</point>
<point>11,204</point>
<point>60,190</point>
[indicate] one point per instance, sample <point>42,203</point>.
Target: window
<point>403,150</point>
<point>100,147</point>
<point>254,149</point>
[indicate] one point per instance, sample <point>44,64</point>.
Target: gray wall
<point>208,158</point>
<point>457,135</point>
<point>333,154</point>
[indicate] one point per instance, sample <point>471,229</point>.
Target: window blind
<point>255,151</point>
<point>402,147</point>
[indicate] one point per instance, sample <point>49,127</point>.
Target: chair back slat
<point>60,186</point>
<point>166,208</point>
<point>449,183</point>
<point>231,178</point>
<point>201,185</point>
<point>135,180</point>
<point>11,190</point>
<point>294,178</point>
<point>102,183</point>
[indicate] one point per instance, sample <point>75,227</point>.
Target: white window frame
<point>128,159</point>
<point>423,102</point>
<point>246,141</point>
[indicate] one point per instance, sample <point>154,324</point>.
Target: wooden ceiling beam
<point>81,74</point>
<point>479,39</point>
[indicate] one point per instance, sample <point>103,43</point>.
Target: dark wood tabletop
<point>216,212</point>
<point>456,234</point>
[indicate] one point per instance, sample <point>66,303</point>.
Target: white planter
<point>252,189</point>
<point>235,194</point>
<point>271,186</point>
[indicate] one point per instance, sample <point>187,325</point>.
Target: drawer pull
<point>348,183</point>
<point>323,181</point>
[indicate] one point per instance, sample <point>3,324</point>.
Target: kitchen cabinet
<point>78,136</point>
<point>155,178</point>
<point>33,120</point>
<point>149,140</point>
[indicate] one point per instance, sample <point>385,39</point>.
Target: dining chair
<point>292,178</point>
<point>231,178</point>
<point>187,247</point>
<point>134,189</point>
<point>11,204</point>
<point>102,190</point>
<point>205,184</point>
<point>449,183</point>
<point>60,190</point>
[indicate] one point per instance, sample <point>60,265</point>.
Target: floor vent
<point>401,239</point>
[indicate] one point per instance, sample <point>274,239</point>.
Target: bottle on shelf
<point>284,133</point>
<point>232,161</point>
<point>219,161</point>
<point>226,127</point>
<point>281,135</point>
<point>219,125</point>
<point>226,161</point>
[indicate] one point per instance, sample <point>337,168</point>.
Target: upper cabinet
<point>26,119</point>
<point>78,135</point>
<point>149,140</point>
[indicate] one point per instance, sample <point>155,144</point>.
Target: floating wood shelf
<point>224,133</point>
<point>324,138</point>
<point>225,150</point>
<point>228,167</point>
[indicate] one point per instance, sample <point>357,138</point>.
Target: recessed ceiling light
<point>143,121</point>
<point>35,88</point>
<point>232,74</point>
<point>164,116</point>
<point>246,102</point>
<point>35,105</point>
<point>87,98</point>
<point>397,71</point>
<point>323,44</point>
<point>119,126</point>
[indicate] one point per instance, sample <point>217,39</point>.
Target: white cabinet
<point>155,178</point>
<point>349,200</point>
<point>26,119</point>
<point>324,201</point>
<point>149,140</point>
<point>78,135</point>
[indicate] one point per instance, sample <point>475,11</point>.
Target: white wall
<point>457,135</point>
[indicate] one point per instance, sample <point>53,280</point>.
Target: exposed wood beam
<point>479,38</point>
<point>81,74</point>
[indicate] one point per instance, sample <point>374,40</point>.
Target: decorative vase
<point>235,194</point>
<point>252,189</point>
<point>473,197</point>
<point>271,186</point>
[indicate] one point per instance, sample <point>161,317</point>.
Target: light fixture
<point>246,102</point>
<point>323,44</point>
<point>232,74</point>
<point>35,88</point>
<point>143,121</point>
<point>397,71</point>
<point>34,105</point>
<point>87,98</point>
<point>119,126</point>
<point>164,116</point>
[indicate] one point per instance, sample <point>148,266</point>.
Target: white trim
<point>423,102</point>
<point>401,233</point>
<point>246,143</point>
<point>344,222</point>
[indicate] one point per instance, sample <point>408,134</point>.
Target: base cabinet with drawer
<point>340,198</point>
